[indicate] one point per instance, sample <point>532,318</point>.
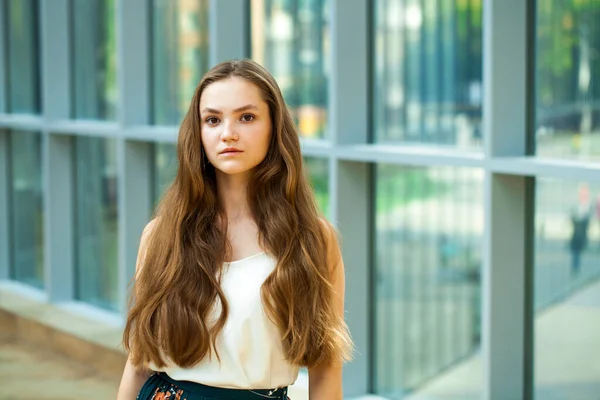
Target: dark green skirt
<point>161,386</point>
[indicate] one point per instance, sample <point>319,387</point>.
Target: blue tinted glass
<point>428,228</point>
<point>428,72</point>
<point>567,289</point>
<point>23,58</point>
<point>318,173</point>
<point>96,221</point>
<point>567,79</point>
<point>180,44</point>
<point>94,59</point>
<point>165,168</point>
<point>291,40</point>
<point>26,208</point>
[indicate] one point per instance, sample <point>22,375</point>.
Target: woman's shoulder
<point>143,248</point>
<point>329,232</point>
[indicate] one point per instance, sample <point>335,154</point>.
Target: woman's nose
<point>228,132</point>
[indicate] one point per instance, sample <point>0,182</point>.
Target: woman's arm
<point>325,381</point>
<point>132,381</point>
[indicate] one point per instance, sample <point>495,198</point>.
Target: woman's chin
<point>233,170</point>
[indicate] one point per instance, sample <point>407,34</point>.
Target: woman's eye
<point>247,117</point>
<point>212,120</point>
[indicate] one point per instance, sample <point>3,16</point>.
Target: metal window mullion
<point>351,180</point>
<point>55,59</point>
<point>133,55</point>
<point>57,165</point>
<point>133,40</point>
<point>4,204</point>
<point>348,116</point>
<point>506,332</point>
<point>3,53</point>
<point>228,30</point>
<point>58,181</point>
<point>135,207</point>
<point>349,75</point>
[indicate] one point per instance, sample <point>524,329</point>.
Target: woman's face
<point>235,125</point>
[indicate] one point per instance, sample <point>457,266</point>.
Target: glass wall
<point>23,66</point>
<point>179,56</point>
<point>96,221</point>
<point>428,227</point>
<point>567,273</point>
<point>26,208</point>
<point>428,72</point>
<point>291,39</point>
<point>318,172</point>
<point>164,169</point>
<point>94,59</point>
<point>567,79</point>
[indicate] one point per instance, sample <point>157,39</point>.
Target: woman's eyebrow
<point>237,110</point>
<point>210,111</point>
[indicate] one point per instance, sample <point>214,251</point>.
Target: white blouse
<point>249,345</point>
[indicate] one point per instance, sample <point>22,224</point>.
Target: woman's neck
<point>232,192</point>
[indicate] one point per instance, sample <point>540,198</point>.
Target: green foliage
<point>562,26</point>
<point>397,187</point>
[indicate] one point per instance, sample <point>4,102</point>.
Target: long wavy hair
<point>174,294</point>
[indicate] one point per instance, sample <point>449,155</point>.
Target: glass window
<point>165,166</point>
<point>26,208</point>
<point>94,59</point>
<point>180,41</point>
<point>428,227</point>
<point>318,173</point>
<point>567,79</point>
<point>291,40</point>
<point>428,72</point>
<point>567,289</point>
<point>23,59</point>
<point>96,221</point>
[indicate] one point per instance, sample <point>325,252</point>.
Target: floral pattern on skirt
<point>168,393</point>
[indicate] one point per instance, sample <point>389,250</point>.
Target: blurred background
<point>455,144</point>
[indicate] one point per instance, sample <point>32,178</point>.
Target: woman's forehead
<point>231,94</point>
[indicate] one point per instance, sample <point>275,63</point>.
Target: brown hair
<point>178,286</point>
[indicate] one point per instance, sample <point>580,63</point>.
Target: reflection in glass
<point>428,72</point>
<point>23,60</point>
<point>567,289</point>
<point>26,208</point>
<point>96,221</point>
<point>180,41</point>
<point>429,223</point>
<point>291,40</point>
<point>318,173</point>
<point>94,59</point>
<point>164,169</point>
<point>567,230</point>
<point>567,79</point>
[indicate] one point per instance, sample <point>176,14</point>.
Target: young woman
<point>239,281</point>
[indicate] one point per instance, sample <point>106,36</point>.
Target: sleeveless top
<point>250,345</point>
